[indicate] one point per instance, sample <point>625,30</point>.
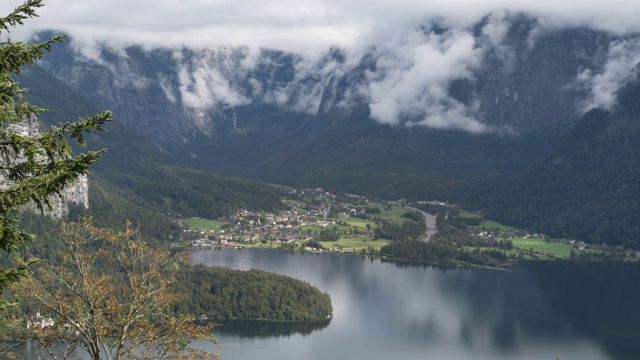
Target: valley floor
<point>319,221</point>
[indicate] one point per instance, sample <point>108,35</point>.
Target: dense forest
<point>449,246</point>
<point>587,188</point>
<point>221,293</point>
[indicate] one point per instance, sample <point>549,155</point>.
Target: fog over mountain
<point>403,99</point>
<point>414,51</point>
<point>301,26</point>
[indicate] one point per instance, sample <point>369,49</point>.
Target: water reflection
<point>268,329</point>
<point>404,311</point>
<point>599,299</point>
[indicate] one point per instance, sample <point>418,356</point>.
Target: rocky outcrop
<point>77,193</point>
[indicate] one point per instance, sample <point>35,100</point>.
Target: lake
<point>383,310</point>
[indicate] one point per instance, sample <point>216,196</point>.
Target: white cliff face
<point>77,193</point>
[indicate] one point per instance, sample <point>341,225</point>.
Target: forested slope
<point>133,180</point>
<point>587,187</point>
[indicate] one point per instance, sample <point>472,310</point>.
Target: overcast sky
<point>297,25</point>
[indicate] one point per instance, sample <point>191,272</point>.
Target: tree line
<point>449,246</point>
<point>220,293</point>
<point>587,187</point>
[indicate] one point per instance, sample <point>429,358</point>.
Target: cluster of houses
<point>316,208</point>
<point>39,322</point>
<point>506,234</point>
<point>248,226</point>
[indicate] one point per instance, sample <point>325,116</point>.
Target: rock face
<point>525,80</point>
<point>77,193</point>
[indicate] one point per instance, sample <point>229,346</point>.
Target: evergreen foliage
<point>587,188</point>
<point>405,231</point>
<point>32,168</point>
<point>449,246</point>
<point>221,293</point>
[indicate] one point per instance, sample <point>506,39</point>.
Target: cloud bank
<point>297,26</point>
<point>413,65</point>
<point>621,67</point>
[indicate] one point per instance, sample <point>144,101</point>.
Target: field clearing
<point>540,246</point>
<point>467,214</point>
<point>197,223</point>
<point>359,223</point>
<point>356,244</point>
<point>395,214</point>
<point>490,224</point>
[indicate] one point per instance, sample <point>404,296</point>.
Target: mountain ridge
<point>258,114</point>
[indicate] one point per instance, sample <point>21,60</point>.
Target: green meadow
<point>541,248</point>
<point>468,214</point>
<point>394,214</point>
<point>197,223</point>
<point>356,243</point>
<point>490,224</point>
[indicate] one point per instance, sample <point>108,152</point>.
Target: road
<point>430,222</point>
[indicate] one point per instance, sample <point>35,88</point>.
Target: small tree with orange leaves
<point>120,313</point>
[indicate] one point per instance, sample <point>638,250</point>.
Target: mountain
<point>587,186</point>
<point>437,112</point>
<point>133,180</point>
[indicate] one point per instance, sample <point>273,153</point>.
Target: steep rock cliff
<point>77,193</point>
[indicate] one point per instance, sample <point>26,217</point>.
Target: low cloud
<point>202,86</point>
<point>303,26</point>
<point>410,83</point>
<point>413,65</point>
<point>621,67</point>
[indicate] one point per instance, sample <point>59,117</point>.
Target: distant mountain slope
<point>436,112</point>
<point>588,187</point>
<point>133,180</point>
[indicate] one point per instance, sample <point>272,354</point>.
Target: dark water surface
<point>399,311</point>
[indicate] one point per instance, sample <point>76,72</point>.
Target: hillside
<point>587,187</point>
<point>444,113</point>
<point>133,180</point>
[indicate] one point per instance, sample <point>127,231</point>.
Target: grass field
<point>197,223</point>
<point>356,244</point>
<point>467,214</point>
<point>395,214</point>
<point>490,224</point>
<point>360,224</point>
<point>542,247</point>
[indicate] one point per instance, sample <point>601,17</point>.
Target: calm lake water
<point>398,311</point>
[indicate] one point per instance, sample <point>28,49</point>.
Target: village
<point>314,215</point>
<point>313,210</point>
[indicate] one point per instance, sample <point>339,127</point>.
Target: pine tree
<point>32,168</point>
